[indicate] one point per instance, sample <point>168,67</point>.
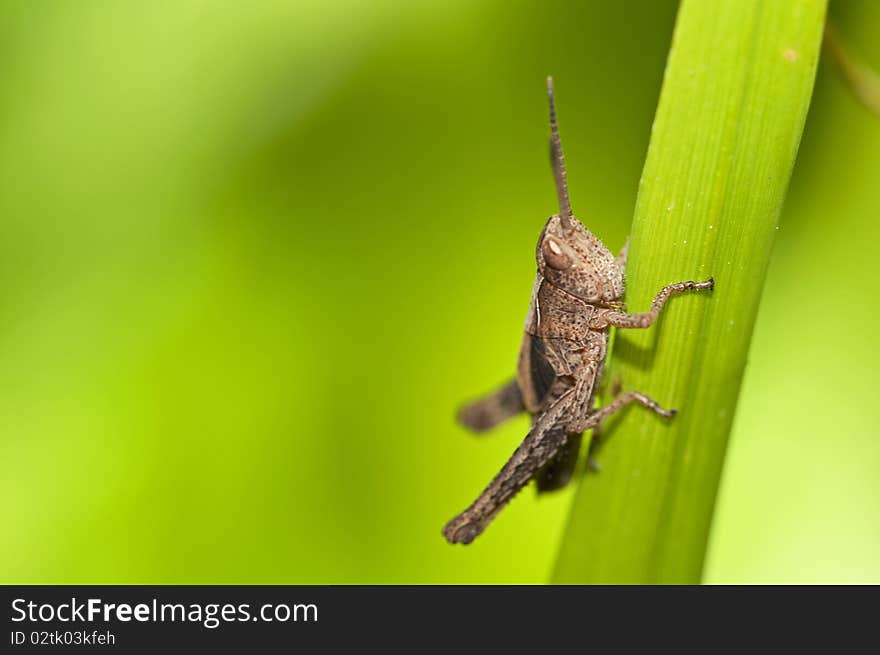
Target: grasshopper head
<point>574,260</point>
<point>569,256</point>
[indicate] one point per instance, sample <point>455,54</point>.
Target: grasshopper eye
<point>554,255</point>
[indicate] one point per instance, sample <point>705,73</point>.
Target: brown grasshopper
<point>575,300</point>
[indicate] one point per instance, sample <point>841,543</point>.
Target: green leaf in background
<point>863,80</point>
<point>735,96</point>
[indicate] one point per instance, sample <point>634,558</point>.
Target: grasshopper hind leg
<point>557,473</point>
<point>547,436</point>
<point>485,413</point>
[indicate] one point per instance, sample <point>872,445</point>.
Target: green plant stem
<point>735,96</point>
<point>863,81</point>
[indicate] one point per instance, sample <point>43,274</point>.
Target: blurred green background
<point>254,255</point>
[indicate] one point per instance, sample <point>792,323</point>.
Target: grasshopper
<point>576,299</point>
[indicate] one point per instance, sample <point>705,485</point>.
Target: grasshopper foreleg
<point>623,320</point>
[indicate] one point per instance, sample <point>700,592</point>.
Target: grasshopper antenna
<point>558,162</point>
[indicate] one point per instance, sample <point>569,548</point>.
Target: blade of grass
<point>862,80</point>
<point>735,96</point>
